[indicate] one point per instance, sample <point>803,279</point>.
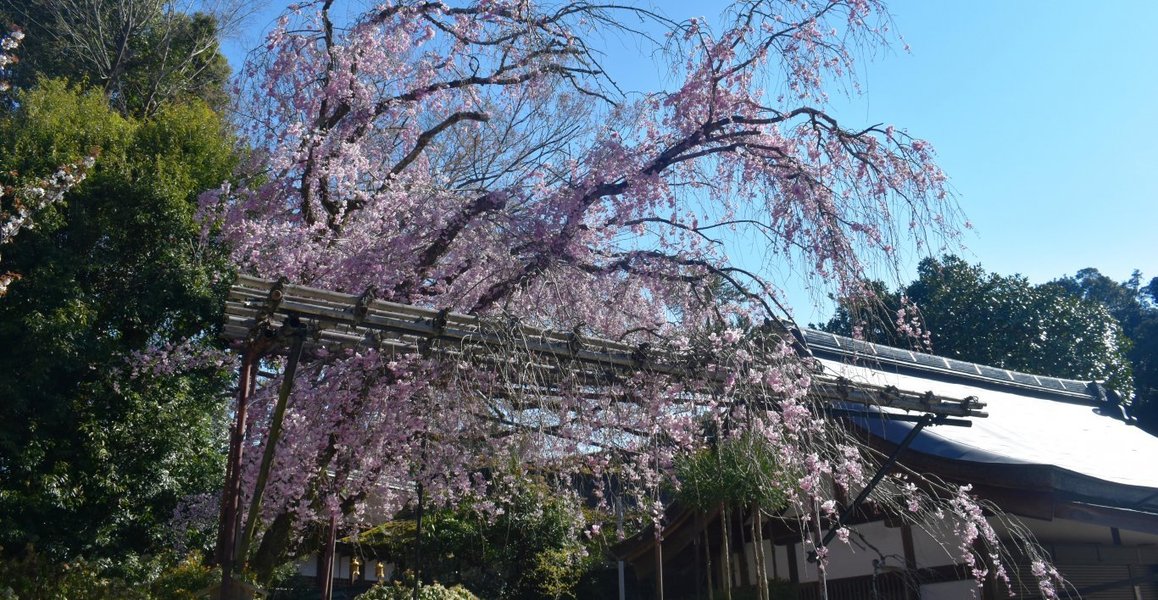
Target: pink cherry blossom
<point>474,157</point>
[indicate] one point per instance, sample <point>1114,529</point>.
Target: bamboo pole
<point>328,558</point>
<point>726,547</point>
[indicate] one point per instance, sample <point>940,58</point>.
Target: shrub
<point>399,591</point>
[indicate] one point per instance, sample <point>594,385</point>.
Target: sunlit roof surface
<point>1086,437</point>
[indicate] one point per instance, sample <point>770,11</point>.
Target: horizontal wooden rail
<point>259,310</point>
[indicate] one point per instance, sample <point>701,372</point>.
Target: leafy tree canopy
<point>998,320</point>
<point>98,439</point>
<point>1136,307</point>
<point>530,544</point>
<point>143,54</point>
<point>740,472</point>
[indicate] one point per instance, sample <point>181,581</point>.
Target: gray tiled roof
<point>836,347</point>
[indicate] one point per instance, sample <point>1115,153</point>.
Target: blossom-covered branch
<point>20,203</point>
<point>476,158</point>
<point>8,43</point>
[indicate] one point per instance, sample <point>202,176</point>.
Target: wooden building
<point>1061,455</point>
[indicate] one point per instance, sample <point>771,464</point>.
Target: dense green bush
<point>184,580</point>
<point>399,591</point>
<point>738,472</point>
<point>103,436</point>
<point>33,576</point>
<point>539,545</point>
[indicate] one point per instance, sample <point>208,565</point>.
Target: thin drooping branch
<point>475,162</point>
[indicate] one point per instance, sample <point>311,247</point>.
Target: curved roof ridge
<point>846,349</point>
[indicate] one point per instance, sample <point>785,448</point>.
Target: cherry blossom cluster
<point>474,157</point>
<point>25,201</point>
<point>909,324</point>
<point>193,522</point>
<point>8,44</point>
<point>28,199</point>
<point>18,205</point>
<point>973,530</point>
<point>175,358</point>
<point>1048,579</point>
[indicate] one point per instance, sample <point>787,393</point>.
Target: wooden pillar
<point>418,538</point>
<point>231,495</point>
<point>619,530</point>
<point>327,572</point>
<point>659,568</point>
<point>910,563</point>
<point>272,439</point>
<point>696,558</point>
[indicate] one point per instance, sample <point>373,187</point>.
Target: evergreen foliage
<point>397,591</point>
<point>143,54</point>
<point>100,438</point>
<point>739,472</point>
<point>1135,306</point>
<point>1002,321</point>
<point>530,545</point>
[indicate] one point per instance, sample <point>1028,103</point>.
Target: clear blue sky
<point>1044,115</point>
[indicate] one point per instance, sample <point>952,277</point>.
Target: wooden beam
<point>337,320</point>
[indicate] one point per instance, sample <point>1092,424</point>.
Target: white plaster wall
<point>750,563</point>
<point>771,564</point>
<point>770,559</point>
<point>855,558</point>
<point>807,569</point>
<point>949,590</point>
<point>935,545</point>
<point>308,565</point>
<point>781,554</point>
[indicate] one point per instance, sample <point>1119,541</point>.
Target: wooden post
<point>758,552</point>
<point>619,530</point>
<point>912,587</point>
<point>231,495</point>
<point>696,558</point>
<point>708,561</point>
<point>726,550</point>
<point>418,541</point>
<point>327,573</point>
<point>659,568</point>
<point>271,441</point>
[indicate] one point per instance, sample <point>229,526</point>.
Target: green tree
<point>399,591</point>
<point>93,459</point>
<point>143,54</point>
<point>1003,321</point>
<point>1134,306</point>
<point>734,474</point>
<point>533,546</point>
